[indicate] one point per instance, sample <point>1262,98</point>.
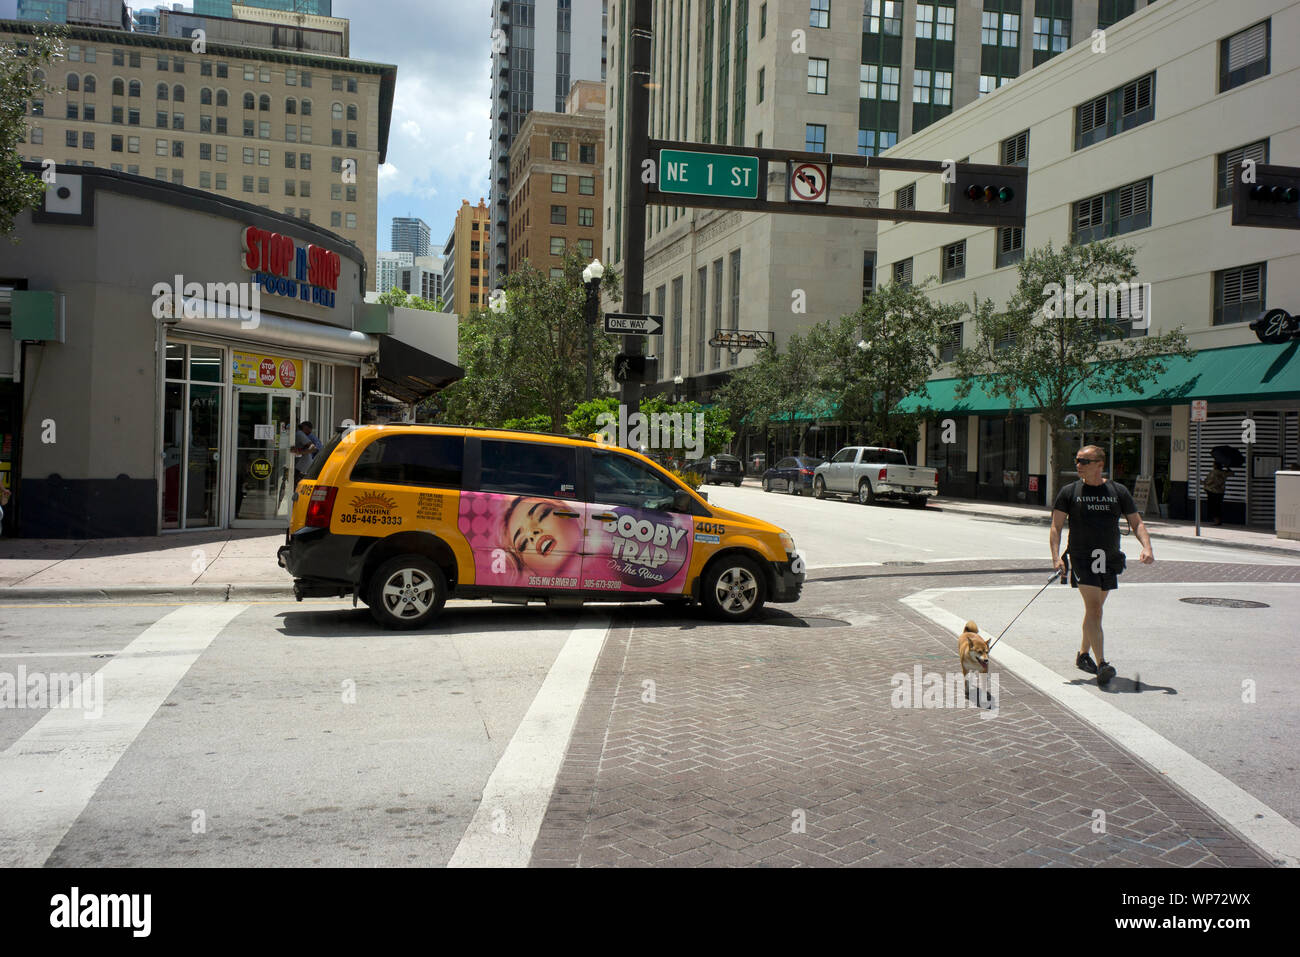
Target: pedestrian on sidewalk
<point>1094,505</point>
<point>306,445</point>
<point>1215,484</point>
<point>5,495</point>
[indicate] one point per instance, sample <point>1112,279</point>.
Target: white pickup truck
<point>870,473</point>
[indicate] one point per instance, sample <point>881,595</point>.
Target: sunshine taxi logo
<point>373,503</point>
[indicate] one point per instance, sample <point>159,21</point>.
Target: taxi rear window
<point>312,472</point>
<point>412,460</point>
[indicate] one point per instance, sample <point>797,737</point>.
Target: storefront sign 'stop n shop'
<point>282,268</point>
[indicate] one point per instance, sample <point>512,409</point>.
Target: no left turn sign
<point>808,182</point>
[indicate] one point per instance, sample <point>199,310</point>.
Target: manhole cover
<point>1225,602</point>
<point>903,564</point>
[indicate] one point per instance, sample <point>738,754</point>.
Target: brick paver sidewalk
<point>776,743</point>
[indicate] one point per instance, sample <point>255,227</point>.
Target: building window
<point>351,220</point>
<point>884,16</point>
<point>352,139</point>
<point>223,98</point>
<point>560,152</point>
<point>817,75</point>
<point>585,247</point>
<point>336,218</point>
<point>557,245</point>
<point>1244,56</point>
<point>586,217</point>
<point>735,300</point>
<point>586,153</point>
<point>559,215</point>
<point>762,81</point>
<point>871,142</point>
<point>1011,245</point>
<point>205,179</point>
<point>762,26</point>
<point>178,94</point>
<point>1113,213</point>
<point>304,161</point>
<point>290,187</point>
<point>163,63</point>
<point>903,272</point>
<point>160,148</point>
<point>1119,110</point>
<point>250,101</point>
<point>264,129</point>
<point>954,261</point>
<point>950,337</point>
<point>819,14</point>
<point>178,149</point>
<point>248,184</point>
<point>1015,150</point>
<point>1239,294</point>
<point>1230,165</point>
<point>263,157</point>
<point>905,198</point>
<point>868,274</point>
<point>133,144</point>
<point>352,111</point>
<point>587,185</point>
<point>350,194</point>
<point>559,183</point>
<point>814,138</point>
<point>263,184</point>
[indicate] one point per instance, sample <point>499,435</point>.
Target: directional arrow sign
<point>633,324</point>
<point>708,174</point>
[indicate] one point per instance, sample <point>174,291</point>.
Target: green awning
<point>821,409</point>
<point>1253,372</point>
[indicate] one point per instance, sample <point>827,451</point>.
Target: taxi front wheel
<point>734,589</point>
<point>406,592</point>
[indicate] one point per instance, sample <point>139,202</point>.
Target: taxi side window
<point>622,480</point>
<point>434,460</point>
<point>529,468</point>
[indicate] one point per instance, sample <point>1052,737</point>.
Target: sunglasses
<point>1086,461</point>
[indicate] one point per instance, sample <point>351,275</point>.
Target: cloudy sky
<point>439,142</point>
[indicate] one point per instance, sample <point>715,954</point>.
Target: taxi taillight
<point>320,507</point>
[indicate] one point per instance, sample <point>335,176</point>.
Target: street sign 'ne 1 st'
<point>708,174</point>
<point>633,324</point>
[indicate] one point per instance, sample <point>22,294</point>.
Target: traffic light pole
<point>636,79</point>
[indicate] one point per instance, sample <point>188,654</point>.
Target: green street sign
<point>708,174</point>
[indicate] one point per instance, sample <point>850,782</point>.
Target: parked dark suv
<point>718,469</point>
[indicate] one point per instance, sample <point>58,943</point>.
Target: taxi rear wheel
<point>406,592</point>
<point>734,588</point>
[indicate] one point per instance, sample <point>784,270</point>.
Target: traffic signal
<point>1273,199</point>
<point>995,192</point>
<point>638,368</point>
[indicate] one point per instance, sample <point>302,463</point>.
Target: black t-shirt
<point>1095,511</point>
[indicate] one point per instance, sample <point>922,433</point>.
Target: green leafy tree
<point>778,389</point>
<point>530,358</point>
<point>22,79</point>
<point>402,299</point>
<point>583,419</point>
<point>533,423</point>
<point>869,360</point>
<point>1041,359</point>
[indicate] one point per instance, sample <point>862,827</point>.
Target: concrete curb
<point>206,593</point>
<point>1045,521</point>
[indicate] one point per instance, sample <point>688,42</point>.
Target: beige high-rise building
<point>466,271</point>
<point>302,133</point>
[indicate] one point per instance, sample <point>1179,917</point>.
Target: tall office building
<point>855,78</point>
<point>410,235</point>
<point>539,48</point>
<point>465,281</point>
<point>263,117</point>
<point>223,8</point>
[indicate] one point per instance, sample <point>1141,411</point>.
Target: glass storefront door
<point>265,424</point>
<point>191,439</point>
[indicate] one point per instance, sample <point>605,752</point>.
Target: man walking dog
<point>1094,506</point>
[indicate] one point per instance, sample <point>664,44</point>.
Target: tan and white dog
<point>973,649</point>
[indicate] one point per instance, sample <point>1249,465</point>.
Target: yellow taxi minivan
<point>403,517</point>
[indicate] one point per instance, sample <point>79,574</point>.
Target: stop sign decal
<point>266,371</point>
<point>288,374</point>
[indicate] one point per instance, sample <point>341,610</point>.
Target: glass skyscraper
<point>221,8</point>
<point>53,11</point>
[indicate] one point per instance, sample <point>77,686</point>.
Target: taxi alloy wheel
<point>734,589</point>
<point>407,591</point>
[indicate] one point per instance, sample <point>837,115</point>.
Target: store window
<point>192,428</point>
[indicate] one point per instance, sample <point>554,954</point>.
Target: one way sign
<point>633,324</point>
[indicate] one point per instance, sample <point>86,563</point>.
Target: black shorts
<point>1081,573</point>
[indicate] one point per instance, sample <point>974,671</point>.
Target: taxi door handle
<point>606,517</point>
<point>567,514</point>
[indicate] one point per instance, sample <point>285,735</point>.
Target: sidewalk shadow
<point>1118,685</point>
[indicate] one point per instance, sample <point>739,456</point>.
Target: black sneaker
<point>1085,663</point>
<point>1104,673</point>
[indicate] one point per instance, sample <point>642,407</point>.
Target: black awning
<point>410,375</point>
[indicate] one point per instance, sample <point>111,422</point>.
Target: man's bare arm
<point>1054,537</point>
<point>1140,532</point>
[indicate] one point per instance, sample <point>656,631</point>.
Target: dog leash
<point>1063,575</point>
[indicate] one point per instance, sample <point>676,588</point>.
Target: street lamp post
<point>591,277</point>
